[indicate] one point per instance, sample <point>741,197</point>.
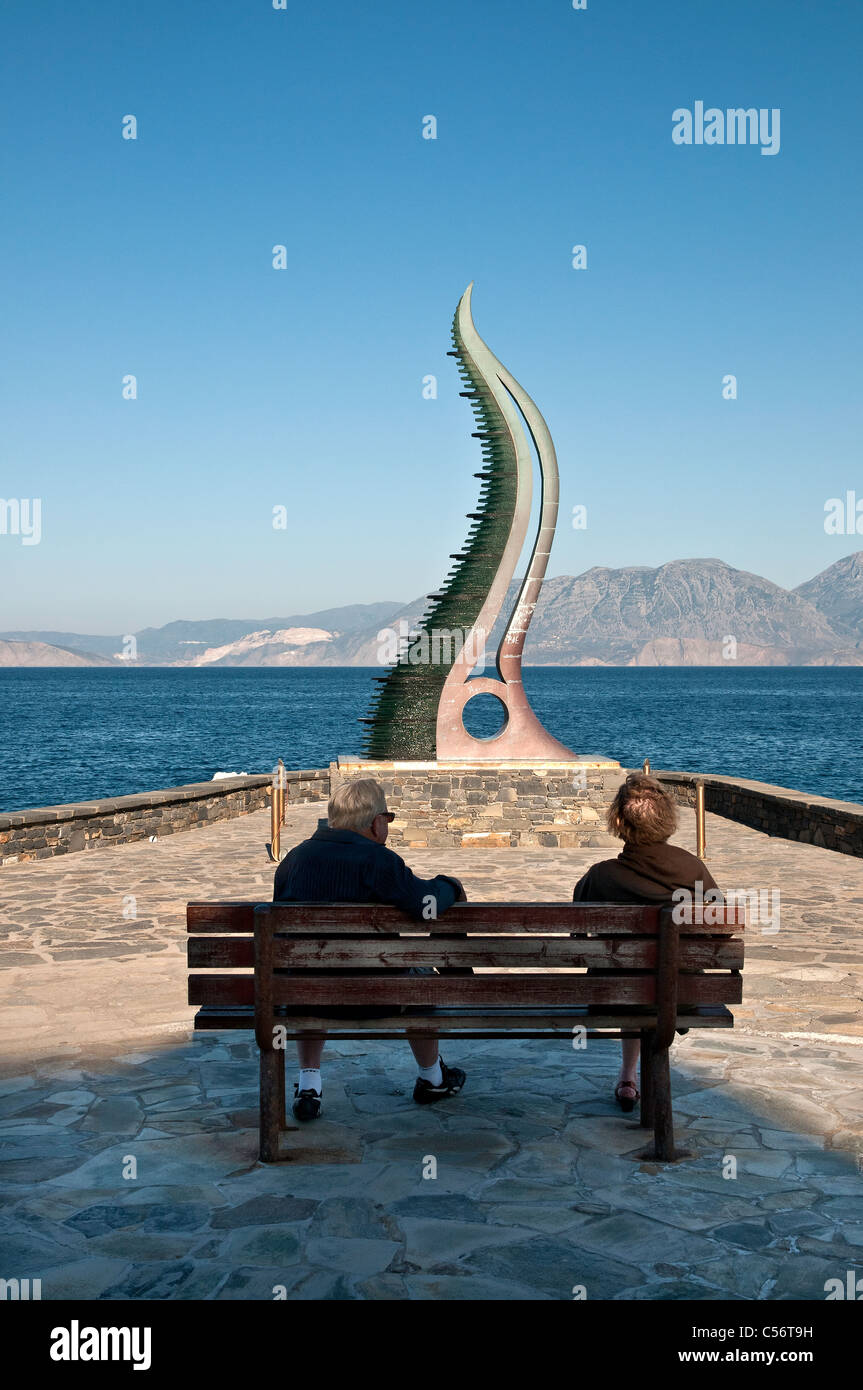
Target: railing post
<point>277,808</point>
<point>646,766</point>
<point>283,786</point>
<point>700,824</point>
<point>274,820</point>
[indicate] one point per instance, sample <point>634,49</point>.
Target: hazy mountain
<point>837,593</point>
<point>42,654</point>
<point>72,641</point>
<point>183,640</point>
<point>177,641</point>
<point>617,617</point>
<point>688,612</point>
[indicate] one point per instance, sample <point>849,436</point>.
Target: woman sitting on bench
<point>648,870</point>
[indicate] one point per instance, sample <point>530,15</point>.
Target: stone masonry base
<point>497,805</point>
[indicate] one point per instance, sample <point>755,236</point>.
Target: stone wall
<point>45,831</point>
<point>437,804</point>
<point>311,784</point>
<point>495,805</point>
<point>779,811</point>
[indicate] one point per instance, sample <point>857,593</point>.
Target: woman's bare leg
<point>631,1050</point>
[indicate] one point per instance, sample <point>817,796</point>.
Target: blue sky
<point>303,387</point>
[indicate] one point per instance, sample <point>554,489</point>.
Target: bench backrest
<point>638,952</point>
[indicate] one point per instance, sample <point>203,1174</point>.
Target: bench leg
<point>656,1084</point>
<point>663,1120</point>
<point>272,1102</point>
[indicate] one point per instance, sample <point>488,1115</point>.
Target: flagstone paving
<point>127,1144</point>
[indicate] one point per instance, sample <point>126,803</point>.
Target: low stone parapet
<point>778,811</point>
<point>312,784</point>
<point>44,831</point>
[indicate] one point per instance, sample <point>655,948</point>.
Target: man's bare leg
<point>309,1088</point>
<point>425,1051</point>
<point>309,1052</point>
<point>436,1080</point>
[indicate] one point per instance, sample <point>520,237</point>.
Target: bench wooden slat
<point>503,952</point>
<point>510,989</point>
<point>515,918</point>
<point>521,988</point>
<point>340,918</point>
<point>466,1022</point>
<point>217,1016</point>
<point>221,917</point>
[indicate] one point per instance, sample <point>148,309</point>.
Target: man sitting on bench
<point>648,870</point>
<point>347,861</point>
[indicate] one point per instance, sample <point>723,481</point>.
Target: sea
<point>82,733</point>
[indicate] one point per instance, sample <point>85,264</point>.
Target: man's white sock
<point>309,1079</point>
<point>432,1074</point>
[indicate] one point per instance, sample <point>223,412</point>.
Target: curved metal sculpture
<point>417,711</point>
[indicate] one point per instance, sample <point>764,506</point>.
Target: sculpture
<point>417,710</point>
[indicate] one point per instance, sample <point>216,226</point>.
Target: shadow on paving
<point>136,1178</point>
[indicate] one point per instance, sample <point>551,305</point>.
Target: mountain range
<point>685,613</point>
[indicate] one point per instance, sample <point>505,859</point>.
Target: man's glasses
<point>387,815</point>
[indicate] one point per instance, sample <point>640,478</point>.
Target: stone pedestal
<point>498,805</point>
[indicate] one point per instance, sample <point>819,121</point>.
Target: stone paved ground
<point>536,1188</point>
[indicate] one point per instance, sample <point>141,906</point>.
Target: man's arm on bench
<point>424,899</point>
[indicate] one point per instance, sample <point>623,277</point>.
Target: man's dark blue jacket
<point>342,866</point>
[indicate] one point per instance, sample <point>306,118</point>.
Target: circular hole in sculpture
<point>484,715</point>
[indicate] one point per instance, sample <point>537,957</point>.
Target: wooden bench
<point>637,990</point>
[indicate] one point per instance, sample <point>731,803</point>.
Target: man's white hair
<point>354,805</point>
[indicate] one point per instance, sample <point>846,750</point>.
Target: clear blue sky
<point>302,387</point>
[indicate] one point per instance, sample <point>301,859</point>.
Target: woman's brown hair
<point>642,813</point>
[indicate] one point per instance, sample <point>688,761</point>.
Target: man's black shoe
<point>307,1104</point>
<point>451,1083</point>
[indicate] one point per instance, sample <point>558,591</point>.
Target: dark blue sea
<point>68,735</point>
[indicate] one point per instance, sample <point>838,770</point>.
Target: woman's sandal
<point>626,1103</point>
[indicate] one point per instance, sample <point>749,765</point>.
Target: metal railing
<point>278,790</point>
<point>700,817</point>
<point>700,822</point>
